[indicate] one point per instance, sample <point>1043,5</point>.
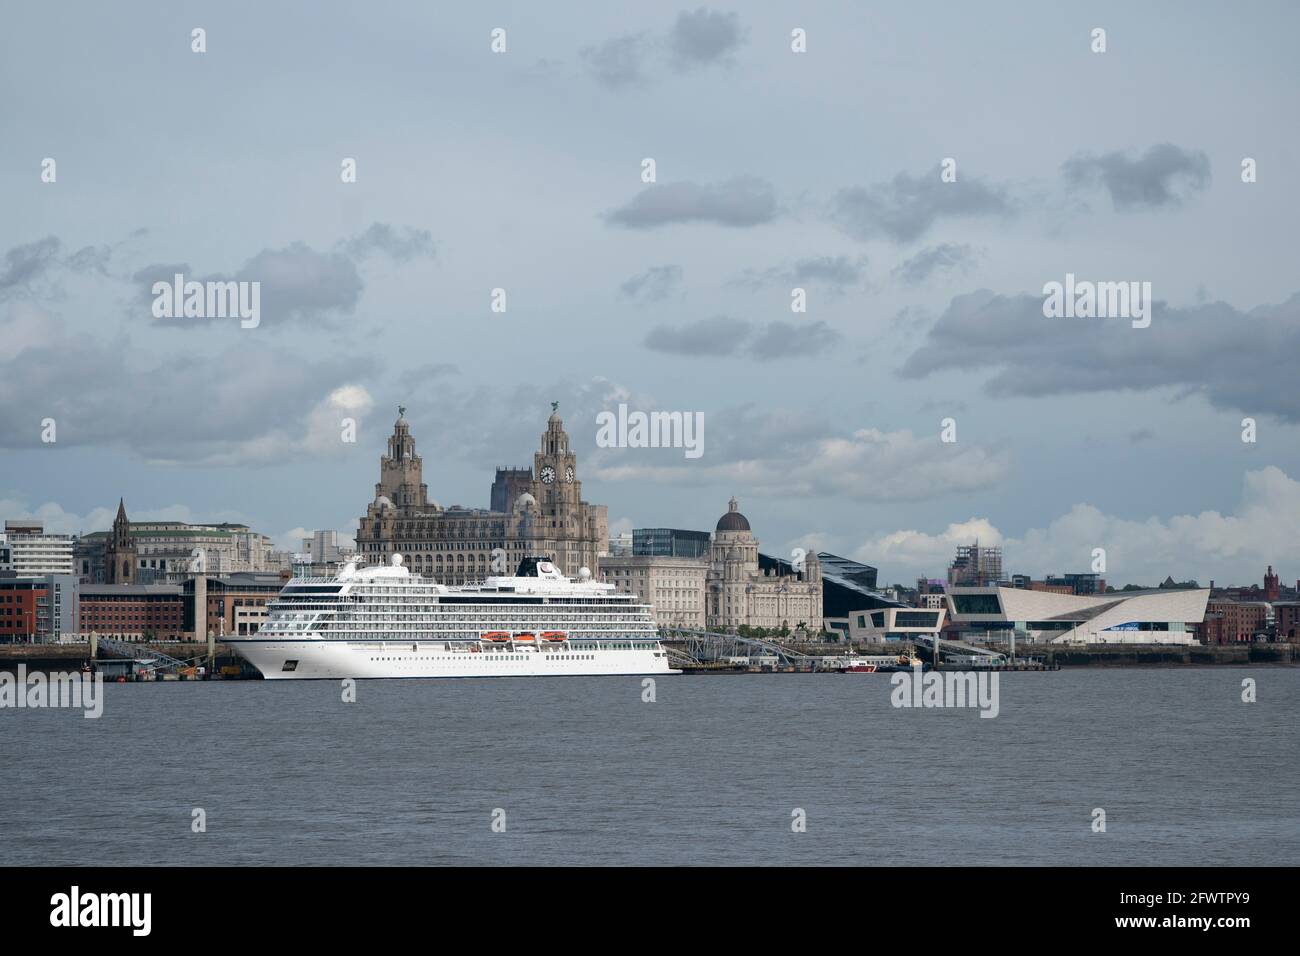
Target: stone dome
<point>525,502</point>
<point>733,520</point>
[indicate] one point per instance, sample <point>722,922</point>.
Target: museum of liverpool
<point>1162,616</point>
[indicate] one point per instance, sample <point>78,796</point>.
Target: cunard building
<point>535,512</point>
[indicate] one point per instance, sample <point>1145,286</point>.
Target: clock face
<point>568,475</point>
<point>548,474</point>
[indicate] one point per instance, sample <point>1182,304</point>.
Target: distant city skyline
<point>775,170</point>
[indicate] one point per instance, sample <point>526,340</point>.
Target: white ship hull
<point>318,659</point>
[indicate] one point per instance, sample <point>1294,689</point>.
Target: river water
<point>714,771</point>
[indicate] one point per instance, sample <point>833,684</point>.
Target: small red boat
<point>525,636</point>
<point>554,636</point>
<point>496,636</point>
<point>859,669</point>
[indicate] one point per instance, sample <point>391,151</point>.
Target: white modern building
<point>28,552</point>
<point>895,624</point>
<point>1160,616</point>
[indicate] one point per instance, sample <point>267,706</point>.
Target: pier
<point>131,661</point>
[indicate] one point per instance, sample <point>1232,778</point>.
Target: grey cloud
<point>1165,175</point>
<point>703,37</point>
<point>723,336</point>
<point>619,62</point>
<point>905,208</point>
<point>940,258</point>
<point>835,271</point>
<point>739,202</point>
<point>28,262</point>
<point>654,285</point>
<point>716,336</point>
<point>696,40</point>
<point>401,245</point>
<point>90,259</point>
<point>1194,350</point>
<point>781,340</point>
<point>299,283</point>
<point>198,406</point>
<point>25,266</point>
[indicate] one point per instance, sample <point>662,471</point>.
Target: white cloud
<point>869,464</point>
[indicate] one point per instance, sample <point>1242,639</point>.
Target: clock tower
<point>577,531</point>
<point>556,485</point>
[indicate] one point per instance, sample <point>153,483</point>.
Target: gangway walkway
<point>703,647</point>
<point>144,654</point>
<point>960,647</point>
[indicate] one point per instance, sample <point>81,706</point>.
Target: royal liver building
<point>539,513</point>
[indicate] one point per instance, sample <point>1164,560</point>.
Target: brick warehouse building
<point>1232,622</point>
<point>165,612</point>
<point>133,611</point>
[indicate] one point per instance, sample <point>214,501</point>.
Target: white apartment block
<point>27,551</point>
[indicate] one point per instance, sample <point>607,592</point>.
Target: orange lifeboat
<point>525,636</point>
<point>554,636</point>
<point>496,637</point>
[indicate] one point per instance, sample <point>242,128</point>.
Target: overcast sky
<point>522,170</point>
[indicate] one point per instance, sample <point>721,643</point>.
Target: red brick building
<point>1286,616</point>
<point>18,599</point>
<point>133,611</point>
<point>1232,622</point>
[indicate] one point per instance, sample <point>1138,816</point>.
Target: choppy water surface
<point>588,773</point>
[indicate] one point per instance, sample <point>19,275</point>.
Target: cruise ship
<point>386,622</point>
